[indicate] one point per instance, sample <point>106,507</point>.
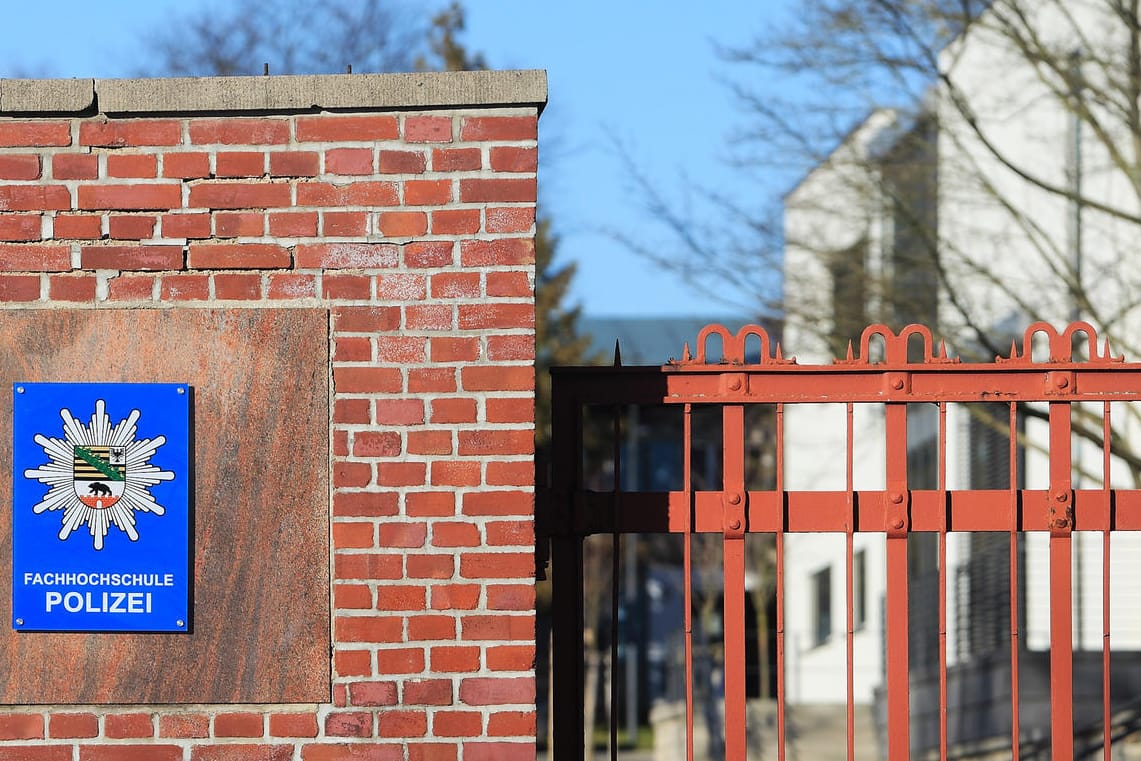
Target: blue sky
<point>638,74</point>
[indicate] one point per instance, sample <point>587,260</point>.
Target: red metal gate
<point>908,370</point>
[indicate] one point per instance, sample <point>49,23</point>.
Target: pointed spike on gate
<point>849,350</point>
<point>685,355</point>
<point>1106,353</point>
<point>779,357</point>
<point>942,349</point>
<point>1013,348</point>
<point>617,354</point>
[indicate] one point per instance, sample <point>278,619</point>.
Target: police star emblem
<point>99,475</point>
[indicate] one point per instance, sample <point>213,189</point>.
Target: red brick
<point>496,316</point>
<point>185,287</point>
<point>290,224</point>
<point>348,663</point>
<point>132,165</point>
<point>402,224</point>
<point>366,319</point>
<point>510,410</point>
<point>512,159</point>
<point>19,167</point>
<point>124,725</point>
<point>352,349</point>
<point>401,474</point>
<point>35,753</point>
<point>496,442</point>
<point>510,533</point>
<point>400,411</point>
<point>351,474</point>
<point>75,166</point>
<point>368,566</point>
<point>510,474</point>
<point>511,348</point>
<point>238,724</point>
<point>430,317</point>
<point>352,410</point>
<point>77,226</point>
<point>19,288</point>
<point>510,219</point>
<point>499,503</point>
<point>130,132</point>
<point>21,227</point>
<point>454,349</point>
<point>366,380</point>
<point>499,128</point>
<point>402,724</point>
<point>430,442</point>
<point>193,225</point>
<point>429,193</point>
<point>294,164</point>
<point>238,131</point>
<point>373,504</point>
<point>428,504</point>
<point>455,474</point>
<point>234,224</point>
<point>239,195</point>
<point>404,660</point>
<point>402,162</point>
<point>499,751</point>
<point>131,257</point>
<point>511,285</point>
<point>352,194</point>
<point>429,254</point>
<point>497,565</point>
<point>130,227</point>
<point>401,597</point>
<point>239,164</point>
<point>409,535</point>
<point>29,134</point>
<point>353,752</point>
<point>353,287</point>
<point>455,221</point>
<point>285,285</point>
<point>344,224</point>
<point>21,726</point>
<point>241,752</point>
<point>184,725</point>
<point>34,198</point>
<point>503,252</point>
<point>131,288</point>
<point>345,724</point>
<point>496,190</point>
<point>511,657</point>
<point>455,659</point>
<point>231,287</point>
<point>78,287</point>
<point>521,627</point>
<point>357,256</point>
<point>349,161</point>
<point>456,159</point>
<point>452,410</point>
<point>455,535</point>
<point>428,129</point>
<point>432,752</point>
<point>187,166</point>
<point>376,444</point>
<point>238,256</point>
<point>335,129</point>
<point>73,725</point>
<point>457,723</point>
<point>431,566</point>
<point>482,691</point>
<point>431,628</point>
<point>496,378</point>
<point>436,692</point>
<point>34,257</point>
<point>352,535</point>
<point>130,197</point>
<point>130,753</point>
<point>373,693</point>
<point>352,596</point>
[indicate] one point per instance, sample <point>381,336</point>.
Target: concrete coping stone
<point>293,93</point>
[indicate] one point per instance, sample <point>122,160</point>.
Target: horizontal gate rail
<point>912,370</point>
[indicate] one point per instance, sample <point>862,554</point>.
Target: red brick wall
<point>414,228</point>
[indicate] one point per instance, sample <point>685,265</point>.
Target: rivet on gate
<point>735,524</point>
<point>1062,496</point>
<point>897,384</point>
<point>734,499</point>
<point>897,498</point>
<point>1062,381</point>
<point>735,384</point>
<point>898,523</point>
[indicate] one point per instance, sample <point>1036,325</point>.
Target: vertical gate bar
<point>849,552</point>
<point>1012,453</point>
<point>615,576</point>
<point>1106,718</point>
<point>1061,589</point>
<point>943,581</point>
<point>780,581</point>
<point>568,620</point>
<point>733,531</point>
<point>687,548</point>
<point>898,710</point>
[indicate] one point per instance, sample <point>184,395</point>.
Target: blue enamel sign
<point>100,507</point>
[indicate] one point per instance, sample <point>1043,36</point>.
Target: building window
<point>821,606</point>
<point>859,590</point>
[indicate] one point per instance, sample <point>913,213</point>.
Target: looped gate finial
<point>895,346</point>
<point>1061,345</point>
<point>733,347</point>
